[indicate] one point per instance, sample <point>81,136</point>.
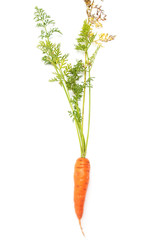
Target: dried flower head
<point>95,13</point>
<point>96,17</point>
<point>104,37</point>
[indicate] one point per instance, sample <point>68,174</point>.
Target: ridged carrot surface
<point>81,180</point>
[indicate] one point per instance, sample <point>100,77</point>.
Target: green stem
<point>83,141</point>
<point>89,114</point>
<point>78,125</point>
<point>78,128</point>
<point>83,106</point>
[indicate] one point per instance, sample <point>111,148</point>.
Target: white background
<point>38,142</point>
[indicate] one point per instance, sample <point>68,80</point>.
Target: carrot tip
<point>81,227</point>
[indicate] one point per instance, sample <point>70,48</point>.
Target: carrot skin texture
<point>81,180</point>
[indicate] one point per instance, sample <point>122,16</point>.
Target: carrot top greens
<point>70,76</point>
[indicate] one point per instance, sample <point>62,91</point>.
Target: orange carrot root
<point>81,180</point>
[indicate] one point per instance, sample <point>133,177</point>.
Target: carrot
<point>81,180</point>
<point>69,77</point>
